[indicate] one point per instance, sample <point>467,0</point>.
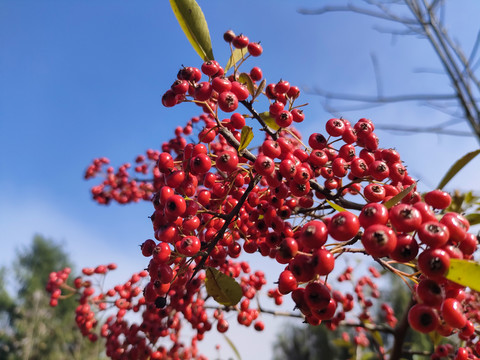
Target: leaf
<point>260,88</point>
<point>464,272</point>
<point>269,120</point>
<point>473,219</point>
<point>459,165</point>
<point>245,138</point>
<point>232,345</point>
<point>335,206</point>
<point>397,198</point>
<point>223,288</point>
<point>236,56</point>
<point>244,78</point>
<point>193,23</point>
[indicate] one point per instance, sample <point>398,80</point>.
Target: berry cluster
<point>302,205</point>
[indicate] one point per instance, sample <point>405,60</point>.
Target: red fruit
<point>298,115</point>
<point>343,226</point>
<point>255,49</point>
<point>326,313</point>
<point>286,282</point>
<point>240,90</point>
<point>209,68</point>
<point>200,164</point>
<point>434,263</point>
<point>423,318</point>
<point>271,149</point>
<point>339,167</point>
<point>221,84</point>
<point>282,87</point>
<point>425,211</point>
<point>256,74</point>
<point>318,158</point>
<point>406,248</point>
<point>317,141</point>
<point>374,192</point>
<point>379,240</point>
<point>433,234</point>
<point>284,118</point>
<point>264,165</point>
<point>161,252</point>
<point>457,226</point>
<point>237,121</point>
<point>452,313</point>
<point>175,205</point>
<point>373,213</point>
<point>324,261</point>
<point>203,91</point>
<point>302,267</point>
<point>188,246</point>
<point>438,199</point>
<point>405,218</point>
<point>227,101</point>
<point>430,293</point>
<point>317,295</point>
<point>240,41</point>
<point>335,127</point>
<point>227,161</point>
<point>378,170</point>
<point>314,234</point>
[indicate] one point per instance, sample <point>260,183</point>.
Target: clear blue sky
<point>83,79</point>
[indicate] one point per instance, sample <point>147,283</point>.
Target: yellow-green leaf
<point>244,78</point>
<point>464,272</point>
<point>397,198</point>
<point>193,23</point>
<point>223,288</point>
<point>269,120</point>
<point>236,56</point>
<point>232,345</point>
<point>473,219</point>
<point>245,138</point>
<point>335,206</point>
<point>459,165</point>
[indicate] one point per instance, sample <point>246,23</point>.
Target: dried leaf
<point>464,272</point>
<point>223,288</point>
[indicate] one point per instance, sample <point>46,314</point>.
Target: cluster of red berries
<point>214,199</point>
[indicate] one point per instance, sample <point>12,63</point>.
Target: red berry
<point>452,313</point>
<point>379,240</point>
<point>255,49</point>
<point>438,199</point>
<point>240,41</point>
<point>343,226</point>
<point>423,318</point>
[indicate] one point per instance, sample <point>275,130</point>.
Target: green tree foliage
<point>30,328</point>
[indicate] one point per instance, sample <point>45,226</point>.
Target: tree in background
<point>31,328</point>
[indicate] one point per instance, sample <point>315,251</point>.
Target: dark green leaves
<point>193,23</point>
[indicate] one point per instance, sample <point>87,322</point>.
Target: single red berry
<point>374,192</point>
<point>227,101</point>
<point>317,295</point>
<point>372,214</point>
<point>452,313</point>
<point>430,293</point>
<point>406,248</point>
<point>433,234</point>
<point>240,41</point>
<point>434,263</point>
<point>323,261</point>
<point>438,199</point>
<point>298,115</point>
<point>228,36</point>
<point>335,127</point>
<point>264,165</point>
<point>423,318</point>
<point>284,118</point>
<point>343,226</point>
<point>286,282</point>
<point>256,74</point>
<point>240,90</point>
<point>314,234</point>
<point>405,218</point>
<point>255,49</point>
<point>209,68</point>
<point>221,84</point>
<point>379,240</point>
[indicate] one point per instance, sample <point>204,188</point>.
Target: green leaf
<point>244,78</point>
<point>459,165</point>
<point>464,272</point>
<point>232,345</point>
<point>473,219</point>
<point>245,138</point>
<point>335,206</point>
<point>269,120</point>
<point>193,23</point>
<point>397,198</point>
<point>223,288</point>
<point>236,56</point>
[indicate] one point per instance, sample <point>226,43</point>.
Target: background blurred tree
<point>424,19</point>
<point>30,328</point>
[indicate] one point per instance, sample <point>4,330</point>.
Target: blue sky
<point>83,79</point>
